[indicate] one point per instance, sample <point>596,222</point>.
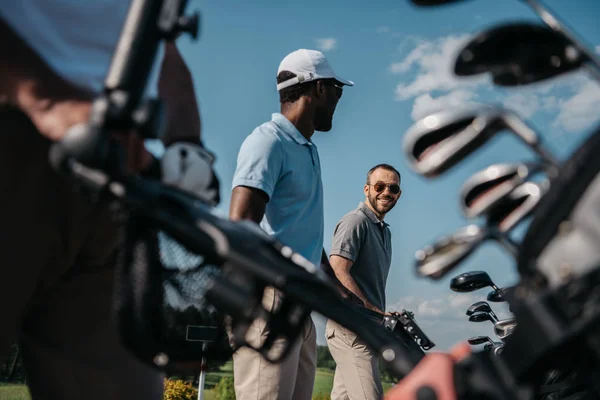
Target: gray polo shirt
<point>365,240</point>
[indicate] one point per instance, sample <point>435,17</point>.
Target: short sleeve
<point>259,162</point>
<point>348,237</point>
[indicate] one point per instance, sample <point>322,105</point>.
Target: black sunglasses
<point>380,187</point>
<point>339,89</point>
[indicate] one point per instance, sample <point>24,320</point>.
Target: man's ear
<point>320,89</point>
<point>366,190</point>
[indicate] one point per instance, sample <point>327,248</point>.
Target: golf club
<point>496,296</point>
<point>518,54</point>
<point>471,281</point>
<point>551,19</point>
<point>475,340</point>
<point>516,206</point>
<point>481,317</point>
<point>439,141</point>
<point>481,306</point>
<point>486,188</point>
<point>505,327</point>
<point>437,259</point>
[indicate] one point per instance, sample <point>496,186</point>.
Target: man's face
<point>331,94</point>
<point>380,189</point>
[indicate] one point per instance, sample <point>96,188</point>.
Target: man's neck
<point>377,214</point>
<point>300,116</point>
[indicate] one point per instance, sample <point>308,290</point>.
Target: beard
<point>323,119</point>
<point>382,203</point>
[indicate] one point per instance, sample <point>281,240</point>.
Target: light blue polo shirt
<point>277,159</point>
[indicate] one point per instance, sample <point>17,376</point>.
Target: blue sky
<point>400,59</point>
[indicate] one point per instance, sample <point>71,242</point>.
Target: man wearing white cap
<point>277,184</point>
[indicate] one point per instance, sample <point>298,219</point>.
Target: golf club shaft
<point>509,245</point>
<point>593,65</point>
<point>533,140</point>
<point>493,315</point>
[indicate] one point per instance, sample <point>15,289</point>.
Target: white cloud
<point>326,44</point>
<point>426,77</point>
<point>451,306</point>
<point>433,61</point>
<point>383,29</point>
<point>580,111</point>
<point>425,104</point>
<point>525,105</point>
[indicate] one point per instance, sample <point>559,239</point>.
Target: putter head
<point>505,328</point>
<point>439,258</point>
<point>515,207</point>
<point>479,306</point>
<point>470,281</point>
<point>481,317</point>
<point>486,188</point>
<point>479,340</point>
<point>518,54</point>
<point>437,142</point>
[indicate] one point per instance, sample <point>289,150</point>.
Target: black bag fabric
<point>162,314</point>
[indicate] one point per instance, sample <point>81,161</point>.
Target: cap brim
<point>344,81</point>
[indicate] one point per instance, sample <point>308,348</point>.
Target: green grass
<point>323,384</point>
<point>14,392</point>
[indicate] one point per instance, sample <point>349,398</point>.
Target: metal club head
<point>471,281</point>
<point>437,259</point>
<point>518,54</point>
<point>481,317</point>
<point>475,340</point>
<point>498,296</point>
<point>481,306</point>
<point>515,207</point>
<point>505,327</point>
<point>486,188</point>
<point>437,142</point>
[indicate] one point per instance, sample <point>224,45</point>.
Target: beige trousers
<point>356,374</point>
<point>292,379</point>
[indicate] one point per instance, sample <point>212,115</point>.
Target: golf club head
<point>475,340</point>
<point>518,54</point>
<point>505,327</point>
<point>437,142</point>
<point>481,317</point>
<point>515,207</point>
<point>471,281</point>
<point>486,188</point>
<point>479,306</point>
<point>437,259</point>
<point>498,296</point>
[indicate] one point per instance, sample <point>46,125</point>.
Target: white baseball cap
<point>308,65</point>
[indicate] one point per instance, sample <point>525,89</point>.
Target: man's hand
<point>435,372</point>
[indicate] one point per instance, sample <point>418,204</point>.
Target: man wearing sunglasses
<point>277,184</point>
<point>361,254</point>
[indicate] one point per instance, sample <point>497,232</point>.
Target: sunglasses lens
<point>394,189</point>
<point>379,187</point>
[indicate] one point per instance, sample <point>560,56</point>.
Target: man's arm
<point>247,203</point>
<point>341,266</point>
